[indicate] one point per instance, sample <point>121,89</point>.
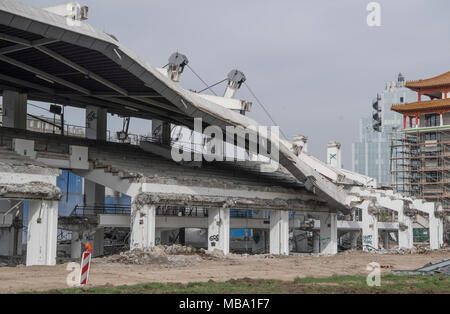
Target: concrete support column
<point>10,236</point>
<point>95,196</point>
<point>98,245</point>
<point>316,242</point>
<point>436,228</point>
<point>328,233</point>
<point>219,229</point>
<point>42,233</point>
<point>14,110</point>
<point>405,231</point>
<point>76,245</point>
<point>354,239</point>
<point>143,227</point>
<point>259,235</point>
<point>158,236</point>
<point>279,232</point>
<point>386,240</point>
<point>96,123</point>
<point>94,193</point>
<point>161,131</point>
<point>369,230</point>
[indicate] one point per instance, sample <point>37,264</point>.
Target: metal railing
<point>94,210</point>
<point>181,211</point>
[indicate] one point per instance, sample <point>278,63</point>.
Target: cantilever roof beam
<point>27,84</point>
<point>82,70</point>
<point>44,75</point>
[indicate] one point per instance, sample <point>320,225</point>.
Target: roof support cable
<point>265,110</point>
<point>198,76</point>
<point>215,84</point>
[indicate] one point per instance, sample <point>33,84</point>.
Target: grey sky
<point>316,65</point>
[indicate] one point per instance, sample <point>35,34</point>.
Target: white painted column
<point>328,233</point>
<point>219,229</point>
<point>369,230</point>
<point>14,110</point>
<point>405,231</point>
<point>75,245</point>
<point>279,232</point>
<point>436,228</point>
<point>42,233</point>
<point>143,227</point>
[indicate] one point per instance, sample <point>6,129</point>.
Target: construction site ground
<point>187,268</point>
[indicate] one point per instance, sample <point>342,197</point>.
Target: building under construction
<point>420,154</point>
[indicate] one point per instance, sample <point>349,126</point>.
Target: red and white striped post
<point>85,264</point>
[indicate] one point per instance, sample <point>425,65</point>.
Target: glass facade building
<point>371,154</point>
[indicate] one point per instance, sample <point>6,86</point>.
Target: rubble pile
<point>173,255</point>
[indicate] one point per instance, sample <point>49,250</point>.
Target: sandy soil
<point>16,279</point>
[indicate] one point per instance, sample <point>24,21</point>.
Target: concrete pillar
<point>10,236</point>
<point>96,129</point>
<point>94,193</point>
<point>334,154</point>
<point>303,242</point>
<point>143,227</point>
<point>354,239</point>
<point>14,110</point>
<point>161,131</point>
<point>328,233</point>
<point>259,236</point>
<point>76,245</point>
<point>158,236</point>
<point>369,230</point>
<point>42,233</point>
<point>95,196</point>
<point>279,232</point>
<point>98,243</point>
<point>259,241</point>
<point>316,242</point>
<point>436,227</point>
<point>219,229</point>
<point>96,123</point>
<point>405,231</point>
<point>386,240</point>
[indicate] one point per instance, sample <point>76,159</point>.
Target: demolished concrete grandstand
<point>39,46</point>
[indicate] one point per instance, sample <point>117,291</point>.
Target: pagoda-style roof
<point>442,80</point>
<point>430,106</point>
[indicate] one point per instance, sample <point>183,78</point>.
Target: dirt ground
<point>17,279</point>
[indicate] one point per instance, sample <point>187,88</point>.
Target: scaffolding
<point>420,164</point>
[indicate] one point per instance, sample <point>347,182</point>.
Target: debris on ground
<point>441,267</point>
<point>176,255</point>
<point>173,255</point>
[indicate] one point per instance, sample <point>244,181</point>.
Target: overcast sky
<point>315,65</point>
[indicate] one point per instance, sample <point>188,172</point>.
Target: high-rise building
<point>371,154</point>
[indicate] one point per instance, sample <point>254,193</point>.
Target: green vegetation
<point>335,284</point>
